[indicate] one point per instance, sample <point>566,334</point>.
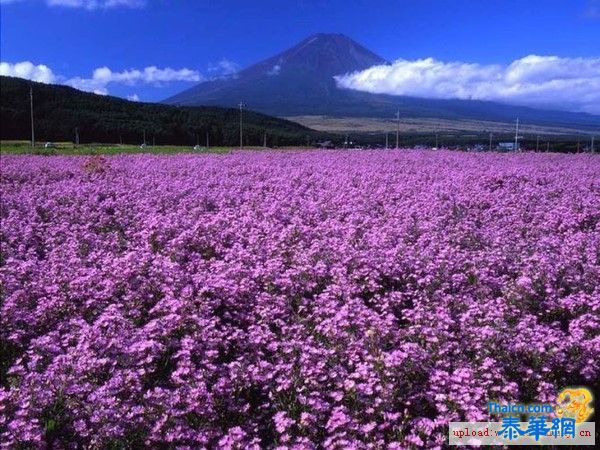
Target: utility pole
<point>241,105</point>
<point>31,106</point>
<point>537,143</point>
<point>517,136</point>
<point>398,128</point>
<point>578,145</point>
<point>207,140</point>
<point>592,144</point>
<point>491,142</point>
<point>436,139</point>
<point>144,137</point>
<point>265,139</point>
<point>386,140</point>
<point>76,136</point>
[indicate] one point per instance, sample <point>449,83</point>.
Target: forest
<point>60,112</point>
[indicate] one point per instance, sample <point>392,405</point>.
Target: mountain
<point>59,109</point>
<point>299,81</point>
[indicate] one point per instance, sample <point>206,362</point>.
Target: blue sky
<point>203,39</point>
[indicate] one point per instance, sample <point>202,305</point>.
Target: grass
<point>428,126</point>
<point>68,148</point>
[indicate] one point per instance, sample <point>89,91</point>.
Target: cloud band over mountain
<point>541,81</point>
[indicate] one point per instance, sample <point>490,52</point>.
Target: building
<point>326,144</point>
<point>507,146</point>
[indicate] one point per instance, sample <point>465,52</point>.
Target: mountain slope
<point>59,109</point>
<point>299,81</point>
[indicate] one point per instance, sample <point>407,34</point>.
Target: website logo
<point>560,423</point>
<point>574,404</point>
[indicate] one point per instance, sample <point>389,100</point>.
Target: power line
<point>241,105</point>
<point>31,106</point>
<point>398,128</point>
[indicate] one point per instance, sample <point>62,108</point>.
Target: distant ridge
<point>299,81</point>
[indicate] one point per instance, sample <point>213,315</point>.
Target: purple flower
<point>296,299</point>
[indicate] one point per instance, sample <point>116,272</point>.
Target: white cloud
<point>223,68</point>
<point>542,81</point>
<point>133,98</point>
<point>274,70</point>
<point>593,9</point>
<point>101,77</point>
<point>90,5</point>
<point>28,70</point>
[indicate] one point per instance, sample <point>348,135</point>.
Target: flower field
<point>298,299</point>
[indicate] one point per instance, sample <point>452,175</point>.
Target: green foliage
<point>58,110</point>
<point>68,148</point>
